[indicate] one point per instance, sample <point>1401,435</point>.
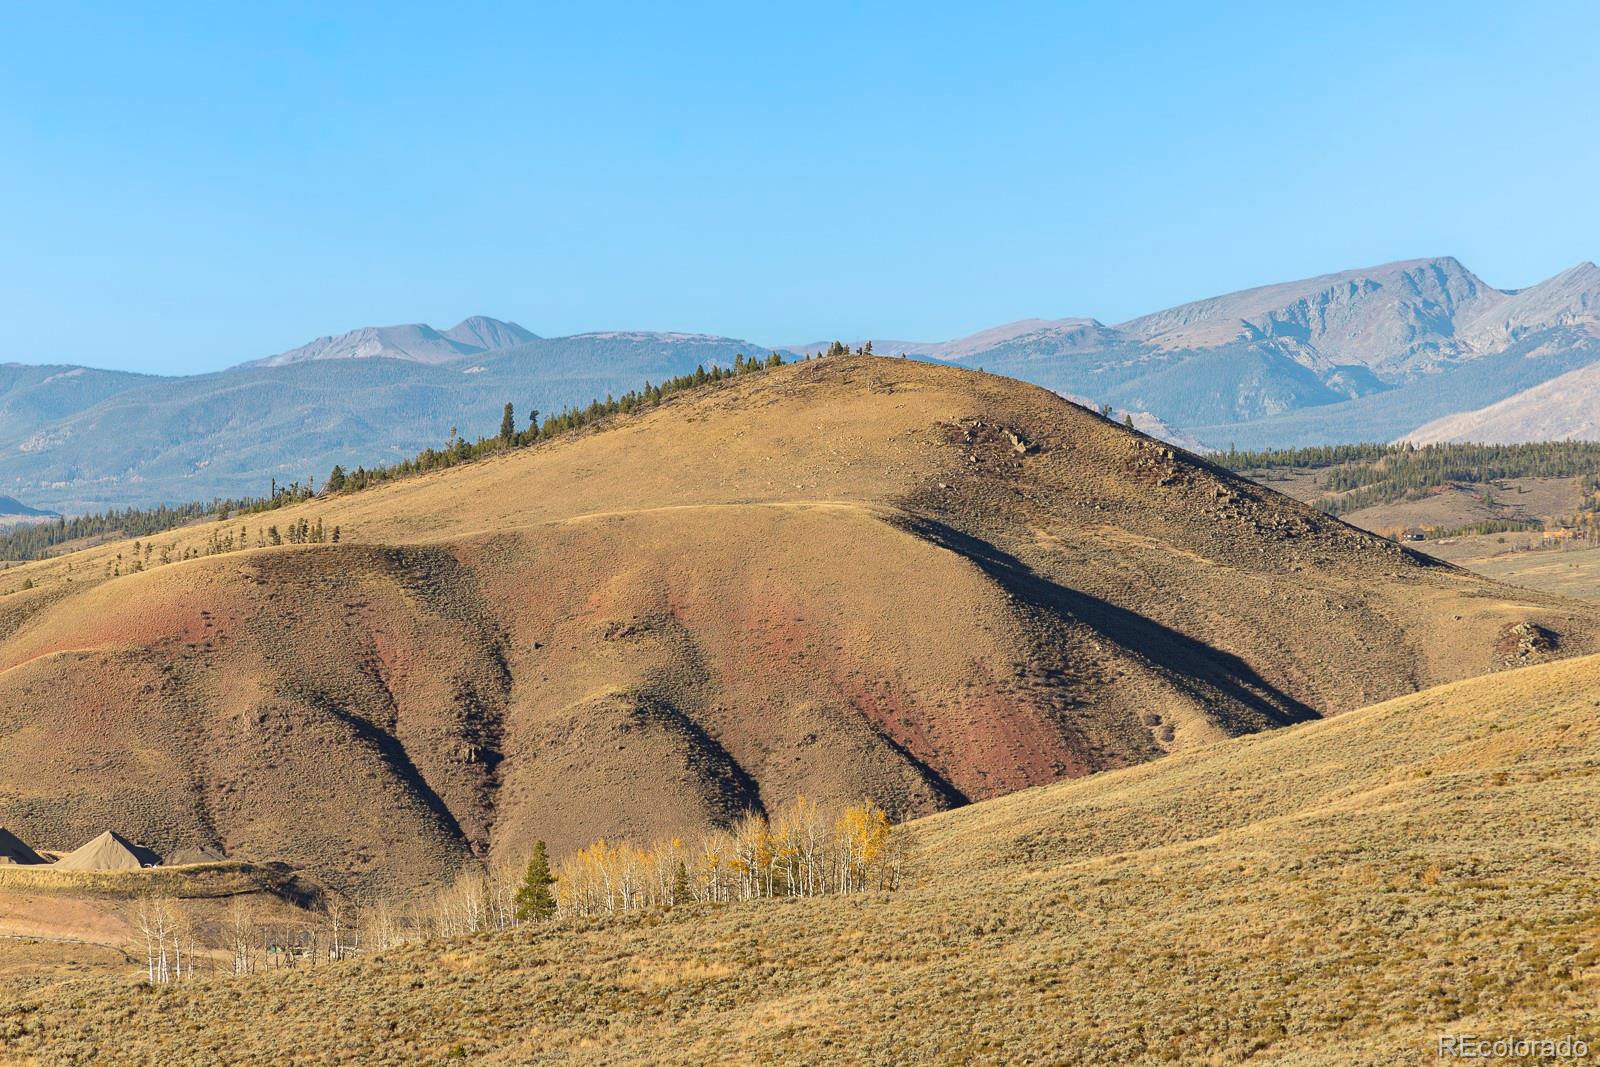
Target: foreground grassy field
<point>1340,892</point>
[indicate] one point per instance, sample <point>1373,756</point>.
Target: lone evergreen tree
<point>508,424</point>
<point>680,885</point>
<point>534,900</point>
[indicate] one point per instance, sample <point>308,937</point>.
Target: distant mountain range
<point>77,439</point>
<point>1421,347</point>
<point>419,343</point>
<point>1360,355</point>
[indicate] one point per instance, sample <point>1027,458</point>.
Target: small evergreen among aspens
<point>534,900</point>
<point>802,851</point>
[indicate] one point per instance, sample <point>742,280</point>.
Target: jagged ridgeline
<point>42,539</point>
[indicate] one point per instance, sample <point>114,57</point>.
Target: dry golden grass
<point>1527,560</point>
<point>32,960</point>
<point>221,879</point>
<point>1450,506</point>
<point>1339,893</point>
<point>841,577</point>
<point>60,923</point>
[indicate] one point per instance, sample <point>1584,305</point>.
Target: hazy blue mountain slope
<point>31,397</point>
<point>622,359</point>
<point>1386,416</point>
<point>480,331</point>
<point>415,341</point>
<point>1565,408</point>
<point>232,432</point>
<point>1396,318</point>
<point>1232,383</point>
<point>1182,386</point>
<point>1358,355</point>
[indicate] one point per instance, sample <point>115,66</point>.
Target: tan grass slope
<point>1340,893</point>
<point>846,576</point>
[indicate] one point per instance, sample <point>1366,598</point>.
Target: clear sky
<point>186,189</point>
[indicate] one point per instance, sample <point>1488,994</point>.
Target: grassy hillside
<point>1340,893</point>
<point>846,576</point>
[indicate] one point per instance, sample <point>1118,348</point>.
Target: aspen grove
<point>800,852</point>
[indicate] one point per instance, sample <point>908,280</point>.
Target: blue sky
<point>195,187</point>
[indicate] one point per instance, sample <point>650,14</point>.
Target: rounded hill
<point>845,576</point>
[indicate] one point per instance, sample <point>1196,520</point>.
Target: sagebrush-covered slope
<point>1341,893</point>
<point>844,577</point>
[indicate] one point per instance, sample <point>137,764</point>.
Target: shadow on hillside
<point>1191,663</point>
<point>391,751</point>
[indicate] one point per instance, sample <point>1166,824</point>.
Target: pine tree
<point>680,885</point>
<point>335,481</point>
<point>508,424</point>
<point>534,900</point>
